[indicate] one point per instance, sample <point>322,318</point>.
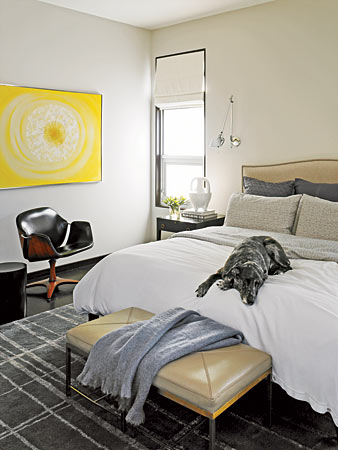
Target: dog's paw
<point>221,285</point>
<point>201,290</point>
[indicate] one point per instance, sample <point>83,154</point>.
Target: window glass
<point>183,131</point>
<point>182,149</point>
<point>178,178</point>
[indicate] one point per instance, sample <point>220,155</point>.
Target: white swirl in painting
<point>51,133</point>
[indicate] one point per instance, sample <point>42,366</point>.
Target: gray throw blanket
<point>123,363</point>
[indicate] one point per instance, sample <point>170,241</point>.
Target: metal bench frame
<point>211,416</point>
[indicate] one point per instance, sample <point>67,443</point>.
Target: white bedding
<point>294,319</point>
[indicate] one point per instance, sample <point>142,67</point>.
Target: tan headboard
<point>315,170</point>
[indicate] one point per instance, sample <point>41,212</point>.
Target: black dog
<point>248,267</point>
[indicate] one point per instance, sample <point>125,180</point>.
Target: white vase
<point>200,194</point>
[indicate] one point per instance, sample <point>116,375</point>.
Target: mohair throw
<point>123,363</point>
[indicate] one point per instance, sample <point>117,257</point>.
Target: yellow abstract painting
<point>48,137</point>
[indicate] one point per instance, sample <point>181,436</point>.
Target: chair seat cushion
<point>71,249</point>
<point>206,379</point>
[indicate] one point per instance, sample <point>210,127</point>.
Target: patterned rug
<point>36,415</point>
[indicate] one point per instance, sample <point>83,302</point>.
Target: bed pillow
<point>254,186</point>
<point>317,218</point>
<point>326,191</point>
<point>262,213</point>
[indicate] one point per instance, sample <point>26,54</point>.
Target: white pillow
<point>262,213</point>
<point>317,218</point>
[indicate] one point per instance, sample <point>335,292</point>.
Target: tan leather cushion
<point>84,336</point>
<point>206,379</point>
<point>210,379</point>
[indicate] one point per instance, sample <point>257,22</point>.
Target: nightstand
<point>13,280</point>
<point>185,224</point>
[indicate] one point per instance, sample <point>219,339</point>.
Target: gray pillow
<point>254,186</point>
<point>317,218</point>
<point>262,213</point>
<point>326,191</point>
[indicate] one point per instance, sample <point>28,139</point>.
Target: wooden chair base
<point>51,285</point>
<point>52,282</point>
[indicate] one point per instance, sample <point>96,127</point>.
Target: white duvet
<point>294,319</point>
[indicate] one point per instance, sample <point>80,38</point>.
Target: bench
<point>205,382</point>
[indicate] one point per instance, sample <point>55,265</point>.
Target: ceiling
<point>152,14</point>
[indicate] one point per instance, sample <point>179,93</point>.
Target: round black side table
<point>13,279</point>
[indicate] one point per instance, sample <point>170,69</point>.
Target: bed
<point>295,317</point>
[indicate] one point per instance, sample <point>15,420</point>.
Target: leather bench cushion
<point>84,336</point>
<point>206,379</point>
<point>210,379</point>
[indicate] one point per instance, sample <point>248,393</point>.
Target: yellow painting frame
<point>49,136</point>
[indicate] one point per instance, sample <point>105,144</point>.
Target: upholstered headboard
<point>315,170</point>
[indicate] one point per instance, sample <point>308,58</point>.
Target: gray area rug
<point>35,413</point>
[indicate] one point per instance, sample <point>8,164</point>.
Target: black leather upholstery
<point>45,230</point>
<point>43,221</point>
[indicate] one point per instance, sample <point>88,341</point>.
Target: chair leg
<point>53,281</point>
<point>68,370</point>
<point>212,433</point>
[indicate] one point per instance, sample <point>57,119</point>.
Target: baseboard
<point>32,276</point>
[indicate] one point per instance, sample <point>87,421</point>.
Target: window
<point>182,148</point>
<point>180,123</point>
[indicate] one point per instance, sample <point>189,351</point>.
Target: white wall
<point>51,47</point>
<point>278,59</point>
<point>280,62</point>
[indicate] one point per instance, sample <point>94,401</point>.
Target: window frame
<point>159,121</point>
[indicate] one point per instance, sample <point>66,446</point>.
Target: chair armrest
<point>37,247</point>
<point>80,231</point>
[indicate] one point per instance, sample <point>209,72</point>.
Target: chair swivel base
<point>51,284</point>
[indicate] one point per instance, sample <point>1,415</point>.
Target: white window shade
<point>180,79</point>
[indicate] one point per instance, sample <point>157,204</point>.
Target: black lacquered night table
<point>185,224</point>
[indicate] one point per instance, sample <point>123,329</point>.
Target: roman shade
<point>179,79</point>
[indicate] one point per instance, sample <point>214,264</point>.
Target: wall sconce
<point>219,140</point>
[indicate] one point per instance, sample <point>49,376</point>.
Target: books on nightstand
<point>192,214</point>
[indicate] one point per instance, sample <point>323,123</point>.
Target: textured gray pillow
<point>327,191</point>
<point>317,218</point>
<point>262,213</point>
<point>254,186</point>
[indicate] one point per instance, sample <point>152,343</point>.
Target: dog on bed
<point>248,267</point>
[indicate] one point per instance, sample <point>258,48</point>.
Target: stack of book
<point>202,215</point>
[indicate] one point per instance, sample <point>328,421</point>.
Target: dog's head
<point>246,278</point>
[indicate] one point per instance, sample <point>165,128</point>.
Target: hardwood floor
<point>36,296</point>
